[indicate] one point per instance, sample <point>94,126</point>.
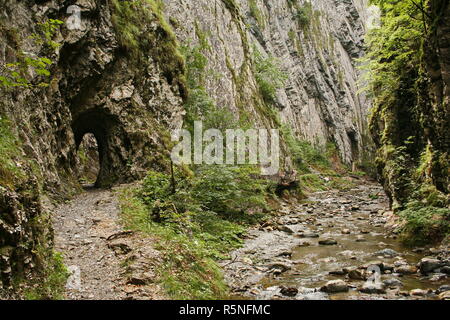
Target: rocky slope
<point>120,76</point>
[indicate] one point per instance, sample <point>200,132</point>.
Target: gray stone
<point>279,267</point>
<point>357,274</point>
<point>444,296</point>
<point>427,265</point>
<point>406,269</point>
<point>387,253</point>
<point>335,286</point>
<point>308,235</point>
<point>445,270</point>
<point>286,229</point>
<point>393,283</point>
<point>373,288</point>
<point>289,292</point>
<point>418,292</point>
<point>328,242</point>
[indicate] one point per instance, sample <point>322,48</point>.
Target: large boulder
<point>406,269</point>
<point>427,265</point>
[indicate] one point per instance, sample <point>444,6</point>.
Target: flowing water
<point>287,254</point>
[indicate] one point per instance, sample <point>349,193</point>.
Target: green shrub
<point>191,236</point>
<point>269,76</point>
<point>232,192</point>
<point>9,154</point>
<point>16,74</point>
<point>54,277</point>
<point>424,225</point>
<point>304,154</point>
<point>304,15</point>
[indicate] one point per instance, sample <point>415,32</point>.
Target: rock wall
<point>120,77</point>
<point>97,85</point>
<point>411,128</point>
<point>320,101</point>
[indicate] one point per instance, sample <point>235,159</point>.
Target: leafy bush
<point>156,186</point>
<point>304,15</point>
<point>15,74</point>
<point>229,191</point>
<point>424,224</point>
<point>304,155</point>
<point>54,277</point>
<point>191,235</point>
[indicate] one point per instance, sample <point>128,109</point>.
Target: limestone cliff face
<point>128,101</point>
<point>125,86</point>
<point>320,101</point>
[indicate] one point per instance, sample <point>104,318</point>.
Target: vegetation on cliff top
<point>27,66</point>
<point>133,21</point>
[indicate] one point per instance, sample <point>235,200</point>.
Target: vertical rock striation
<point>320,102</point>
<point>120,77</point>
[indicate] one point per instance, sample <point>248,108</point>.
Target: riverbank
<point>321,249</point>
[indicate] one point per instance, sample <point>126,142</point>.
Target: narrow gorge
<point>94,206</point>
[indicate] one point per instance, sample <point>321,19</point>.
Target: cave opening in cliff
<point>98,133</point>
<point>88,160</point>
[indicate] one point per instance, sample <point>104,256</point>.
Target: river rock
<point>427,265</point>
<point>357,274</point>
<point>360,239</point>
<point>400,262</point>
<point>308,235</point>
<point>346,231</point>
<point>328,242</point>
<point>335,286</point>
<point>279,267</point>
<point>286,229</point>
<point>337,273</point>
<point>378,263</point>
<point>418,292</point>
<point>388,253</point>
<point>443,288</point>
<point>373,288</point>
<point>438,277</point>
<point>285,254</point>
<point>406,269</point>
<point>289,292</point>
<point>387,268</point>
<point>444,295</point>
<point>445,269</point>
<point>393,283</point>
<point>304,243</point>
